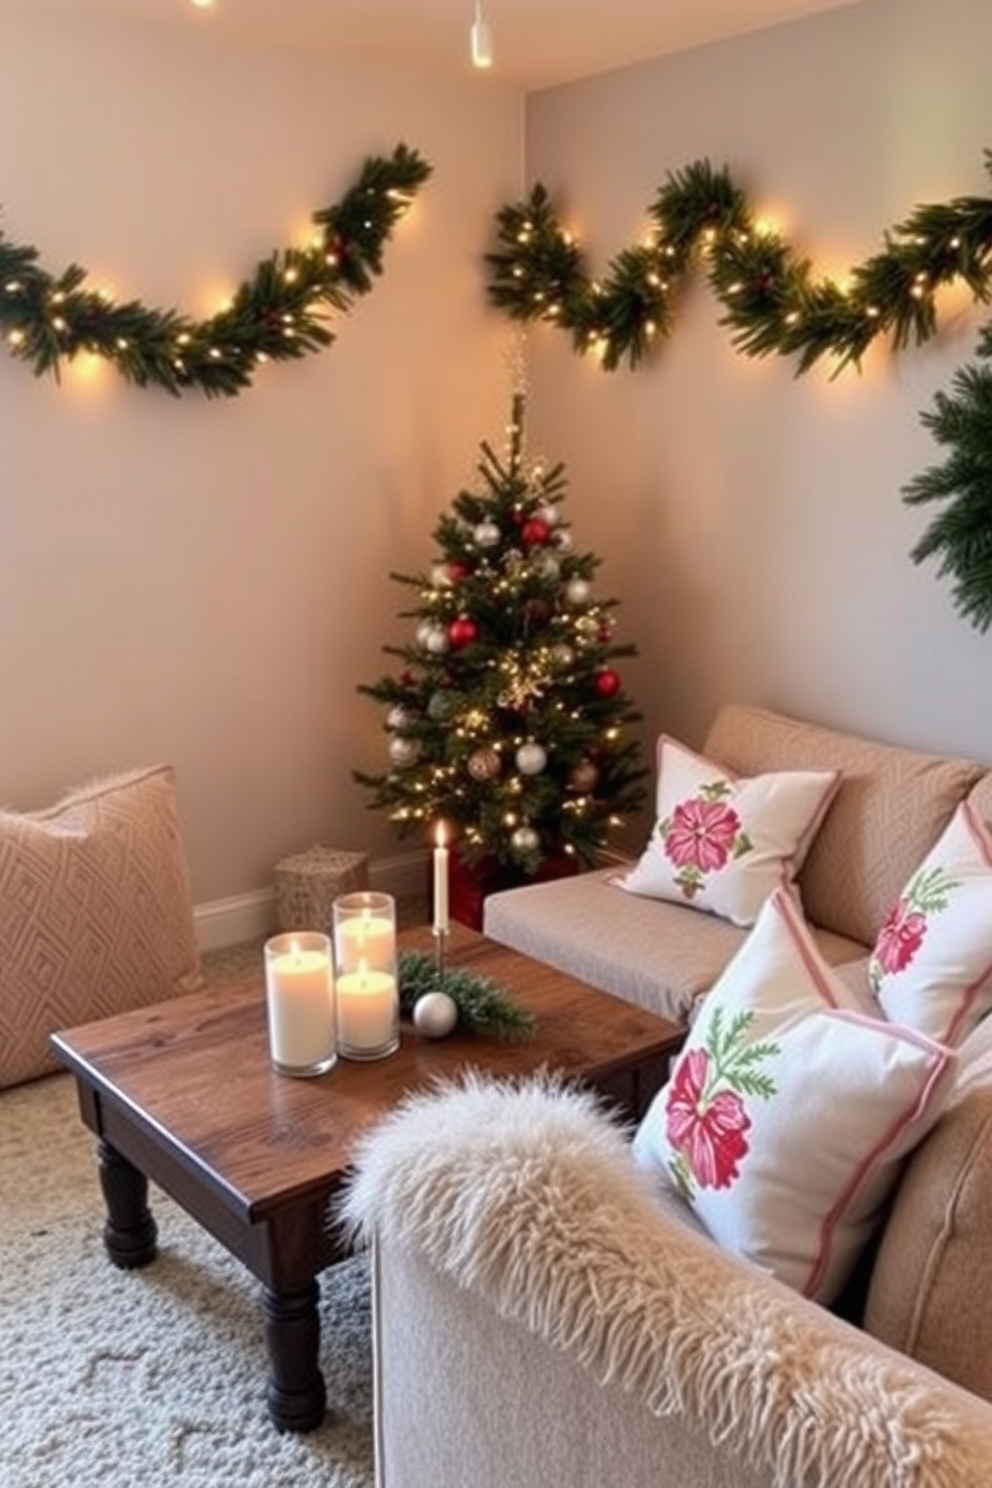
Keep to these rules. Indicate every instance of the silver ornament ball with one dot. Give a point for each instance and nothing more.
(403, 751)
(437, 640)
(531, 758)
(435, 1014)
(524, 840)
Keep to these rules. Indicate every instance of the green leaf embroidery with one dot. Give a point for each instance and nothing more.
(719, 790)
(742, 844)
(929, 889)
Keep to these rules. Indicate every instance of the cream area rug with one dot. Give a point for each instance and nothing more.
(110, 1378)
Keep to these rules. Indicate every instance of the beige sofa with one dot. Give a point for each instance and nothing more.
(891, 806)
(544, 1321)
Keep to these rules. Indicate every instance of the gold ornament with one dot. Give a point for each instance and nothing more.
(483, 765)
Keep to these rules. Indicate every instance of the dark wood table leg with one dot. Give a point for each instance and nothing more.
(295, 1394)
(130, 1233)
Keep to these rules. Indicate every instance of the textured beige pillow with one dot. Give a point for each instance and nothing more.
(95, 913)
(929, 1294)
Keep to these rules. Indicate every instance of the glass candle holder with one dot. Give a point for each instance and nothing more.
(366, 979)
(300, 1003)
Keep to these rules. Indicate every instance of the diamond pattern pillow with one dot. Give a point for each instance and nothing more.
(788, 1114)
(722, 843)
(95, 913)
(931, 966)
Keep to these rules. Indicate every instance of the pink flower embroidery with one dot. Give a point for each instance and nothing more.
(900, 937)
(708, 1132)
(701, 834)
(906, 925)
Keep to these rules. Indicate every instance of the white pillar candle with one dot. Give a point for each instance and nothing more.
(441, 918)
(367, 940)
(299, 985)
(368, 1013)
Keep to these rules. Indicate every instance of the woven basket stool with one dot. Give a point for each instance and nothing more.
(308, 883)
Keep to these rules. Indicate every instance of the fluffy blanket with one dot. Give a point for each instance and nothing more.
(527, 1194)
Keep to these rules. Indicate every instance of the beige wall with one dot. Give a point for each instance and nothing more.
(207, 582)
(752, 523)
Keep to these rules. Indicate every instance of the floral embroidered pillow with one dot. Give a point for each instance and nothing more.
(721, 843)
(789, 1113)
(931, 966)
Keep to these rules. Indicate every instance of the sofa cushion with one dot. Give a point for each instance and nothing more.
(654, 954)
(931, 966)
(929, 1294)
(788, 1113)
(95, 913)
(722, 842)
(891, 806)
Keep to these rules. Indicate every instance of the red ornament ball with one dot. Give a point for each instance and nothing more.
(463, 631)
(457, 570)
(607, 683)
(535, 533)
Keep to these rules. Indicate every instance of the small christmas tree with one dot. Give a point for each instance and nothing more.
(507, 719)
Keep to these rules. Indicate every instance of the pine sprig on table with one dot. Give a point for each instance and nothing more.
(483, 1007)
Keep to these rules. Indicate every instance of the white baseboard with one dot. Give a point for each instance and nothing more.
(224, 922)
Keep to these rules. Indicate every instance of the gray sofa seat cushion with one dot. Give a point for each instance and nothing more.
(660, 956)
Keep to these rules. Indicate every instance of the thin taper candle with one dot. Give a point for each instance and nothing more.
(441, 922)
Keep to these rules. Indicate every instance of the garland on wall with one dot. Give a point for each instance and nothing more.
(278, 314)
(773, 303)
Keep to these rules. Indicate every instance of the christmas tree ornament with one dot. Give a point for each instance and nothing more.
(437, 640)
(605, 632)
(423, 633)
(584, 776)
(398, 717)
(435, 1014)
(403, 751)
(607, 683)
(563, 656)
(531, 758)
(564, 540)
(483, 765)
(534, 533)
(440, 705)
(462, 632)
(577, 591)
(550, 567)
(458, 570)
(548, 514)
(524, 841)
(440, 576)
(486, 535)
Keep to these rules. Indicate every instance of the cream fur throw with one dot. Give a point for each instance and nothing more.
(527, 1194)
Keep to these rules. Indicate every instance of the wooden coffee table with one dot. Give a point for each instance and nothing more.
(184, 1094)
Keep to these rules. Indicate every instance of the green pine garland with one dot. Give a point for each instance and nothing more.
(483, 1007)
(960, 537)
(772, 302)
(279, 314)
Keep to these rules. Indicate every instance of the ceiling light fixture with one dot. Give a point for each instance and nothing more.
(202, 4)
(482, 41)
